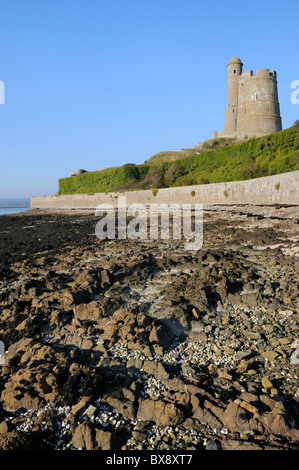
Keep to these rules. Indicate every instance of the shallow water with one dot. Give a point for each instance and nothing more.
(13, 210)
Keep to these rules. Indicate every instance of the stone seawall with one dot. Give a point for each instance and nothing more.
(277, 189)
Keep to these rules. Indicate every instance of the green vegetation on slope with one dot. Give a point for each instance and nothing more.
(103, 181)
(264, 156)
(169, 156)
(173, 155)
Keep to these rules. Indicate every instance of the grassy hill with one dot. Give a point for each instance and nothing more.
(217, 162)
(172, 155)
(169, 156)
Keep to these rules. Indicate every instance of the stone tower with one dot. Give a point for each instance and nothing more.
(252, 102)
(234, 70)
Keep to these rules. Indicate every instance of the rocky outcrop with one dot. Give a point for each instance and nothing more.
(142, 345)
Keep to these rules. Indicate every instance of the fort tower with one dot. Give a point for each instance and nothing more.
(234, 70)
(252, 102)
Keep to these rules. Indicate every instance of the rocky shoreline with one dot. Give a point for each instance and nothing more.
(142, 345)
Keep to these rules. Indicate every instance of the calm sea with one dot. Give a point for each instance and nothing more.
(14, 206)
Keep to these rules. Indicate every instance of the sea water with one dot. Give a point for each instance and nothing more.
(14, 206)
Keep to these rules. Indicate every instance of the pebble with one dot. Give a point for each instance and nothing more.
(90, 411)
(294, 359)
(211, 445)
(267, 383)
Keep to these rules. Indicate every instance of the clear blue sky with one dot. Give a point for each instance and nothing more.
(105, 82)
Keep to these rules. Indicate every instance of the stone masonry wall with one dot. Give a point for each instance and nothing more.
(258, 106)
(276, 189)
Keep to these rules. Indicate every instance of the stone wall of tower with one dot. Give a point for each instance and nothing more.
(234, 70)
(258, 106)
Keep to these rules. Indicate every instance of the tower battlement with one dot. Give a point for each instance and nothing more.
(252, 102)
